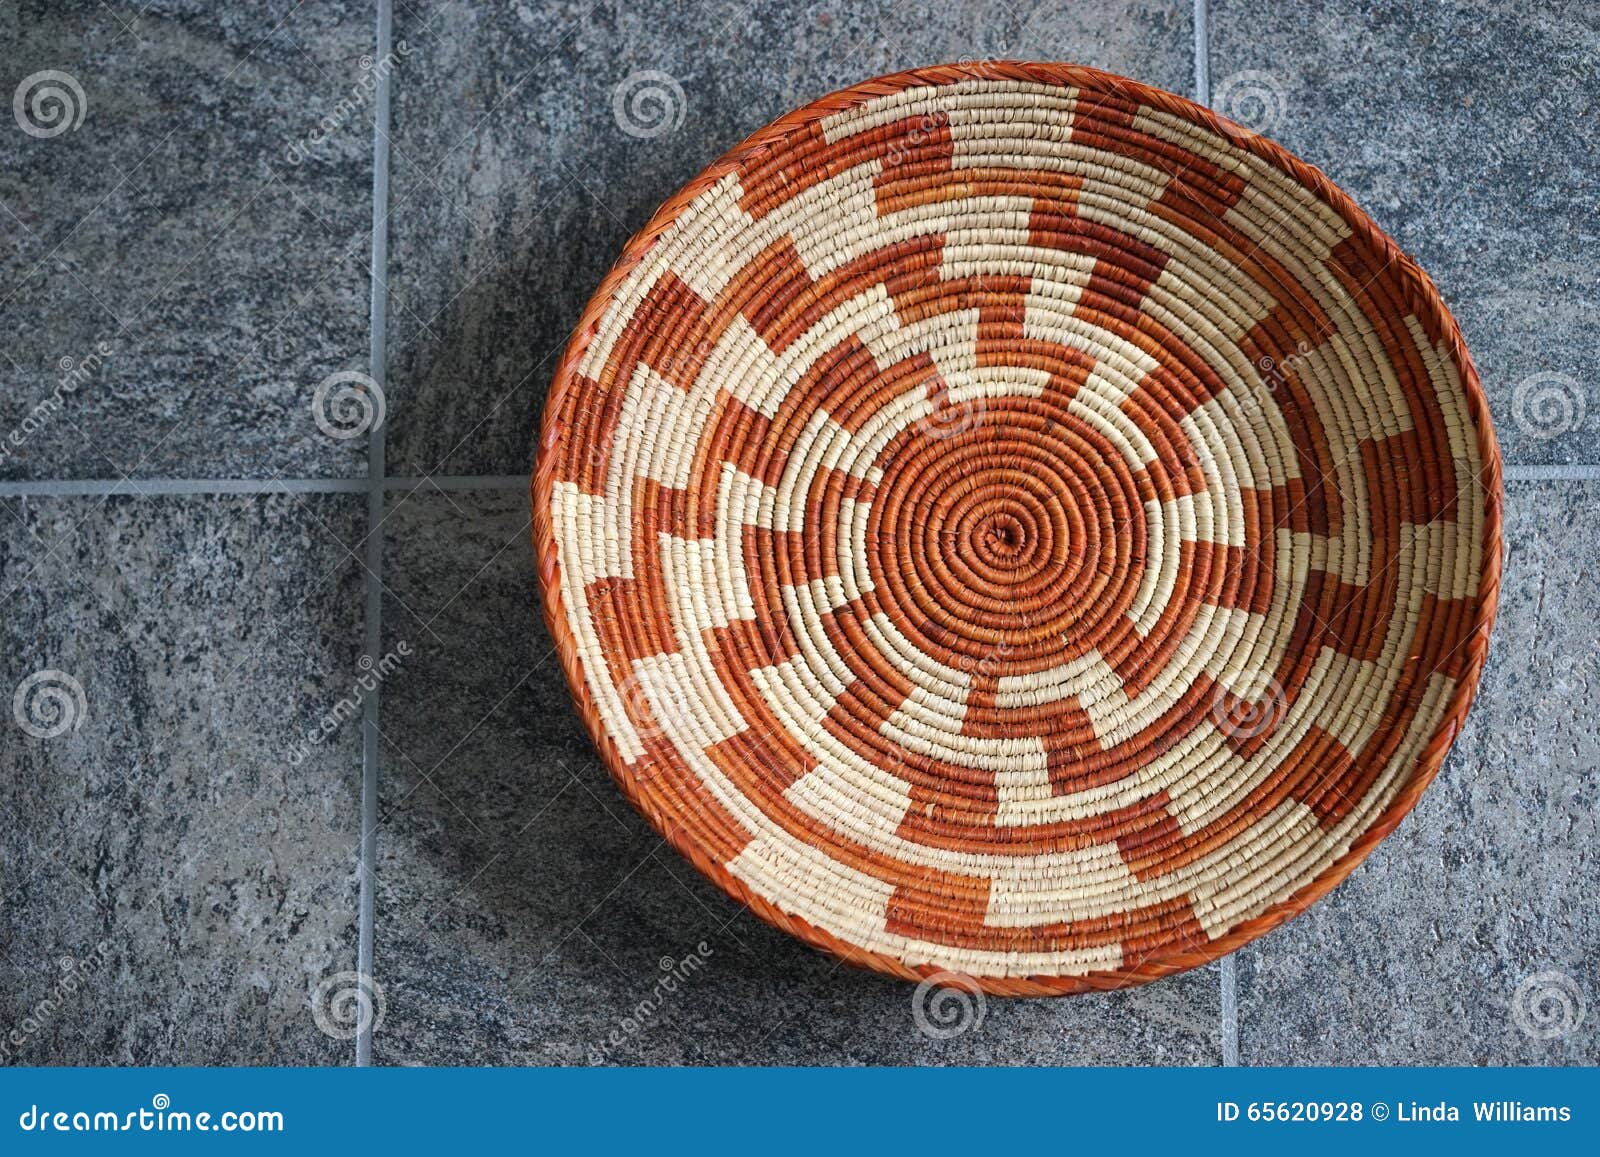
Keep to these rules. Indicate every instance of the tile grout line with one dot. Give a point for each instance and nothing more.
(1228, 978)
(1230, 1010)
(1578, 472)
(378, 278)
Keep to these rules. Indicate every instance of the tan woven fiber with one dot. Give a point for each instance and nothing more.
(1007, 520)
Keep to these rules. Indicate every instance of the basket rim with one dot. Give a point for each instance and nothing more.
(1421, 296)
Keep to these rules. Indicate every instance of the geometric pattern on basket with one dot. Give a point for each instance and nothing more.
(1009, 521)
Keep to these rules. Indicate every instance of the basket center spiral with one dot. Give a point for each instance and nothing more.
(1003, 522)
(1000, 525)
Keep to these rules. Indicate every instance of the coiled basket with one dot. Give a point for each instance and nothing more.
(1009, 524)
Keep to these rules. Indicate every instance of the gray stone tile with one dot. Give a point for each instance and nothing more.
(1419, 957)
(177, 865)
(515, 187)
(183, 268)
(1467, 129)
(525, 911)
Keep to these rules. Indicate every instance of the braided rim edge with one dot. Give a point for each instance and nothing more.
(1421, 296)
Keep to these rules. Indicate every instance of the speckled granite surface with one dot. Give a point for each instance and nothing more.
(178, 871)
(200, 257)
(175, 852)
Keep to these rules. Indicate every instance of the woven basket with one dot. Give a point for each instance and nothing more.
(1008, 521)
